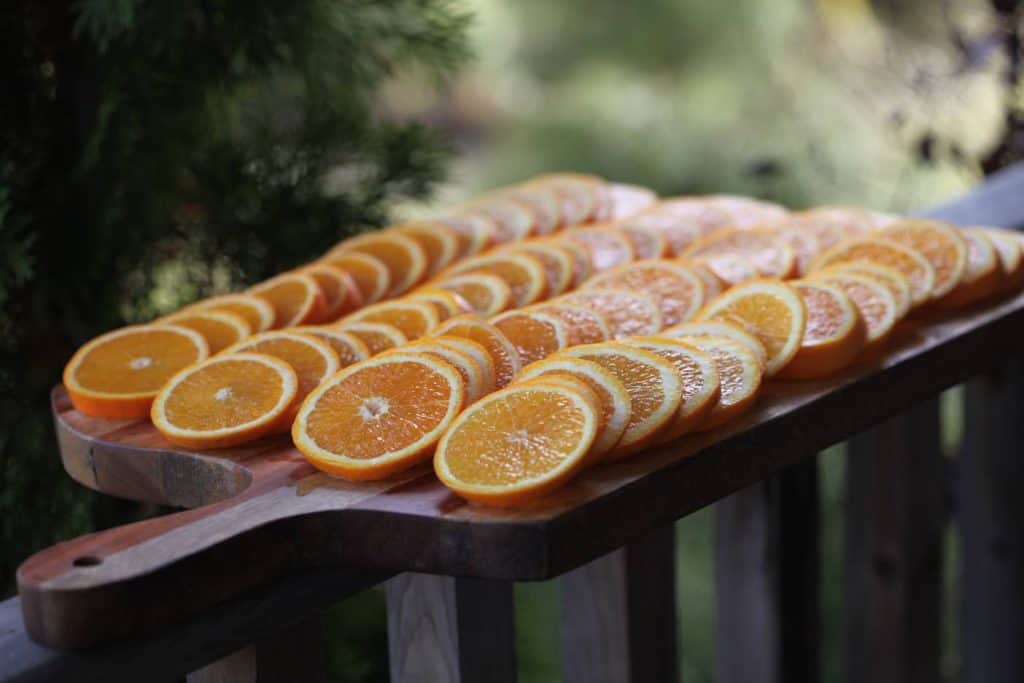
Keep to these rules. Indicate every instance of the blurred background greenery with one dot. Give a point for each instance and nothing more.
(156, 151)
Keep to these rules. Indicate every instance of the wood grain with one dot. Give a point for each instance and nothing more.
(619, 614)
(272, 515)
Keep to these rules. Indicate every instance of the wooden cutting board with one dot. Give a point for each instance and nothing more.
(261, 512)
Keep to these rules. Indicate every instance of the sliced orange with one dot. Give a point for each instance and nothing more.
(370, 274)
(478, 353)
(534, 334)
(475, 230)
(746, 211)
(582, 266)
(895, 281)
(469, 370)
(835, 333)
(627, 200)
(226, 401)
(523, 274)
(296, 298)
(582, 325)
(607, 246)
(805, 245)
(739, 374)
(312, 359)
(730, 269)
(614, 403)
(518, 444)
(683, 219)
(713, 285)
(678, 290)
(627, 313)
(412, 318)
(875, 302)
(1008, 246)
(647, 242)
(380, 416)
(915, 267)
(341, 293)
(580, 195)
(983, 276)
(439, 242)
(770, 310)
(679, 232)
(556, 262)
(349, 347)
(832, 224)
(444, 302)
(504, 355)
(513, 220)
(655, 389)
(941, 244)
(701, 382)
(220, 329)
(486, 295)
(543, 202)
(770, 254)
(377, 336)
(118, 374)
(256, 311)
(404, 258)
(718, 328)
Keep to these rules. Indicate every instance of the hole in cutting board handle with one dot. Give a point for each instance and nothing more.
(87, 561)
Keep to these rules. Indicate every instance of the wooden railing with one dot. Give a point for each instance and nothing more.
(618, 610)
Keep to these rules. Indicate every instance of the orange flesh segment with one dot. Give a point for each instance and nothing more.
(534, 335)
(312, 359)
(135, 363)
(504, 355)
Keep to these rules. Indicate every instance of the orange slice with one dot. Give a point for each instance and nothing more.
(544, 203)
(730, 269)
(503, 354)
(655, 389)
(701, 382)
(522, 273)
(349, 347)
(518, 444)
(746, 211)
(444, 302)
(296, 298)
(535, 335)
(376, 336)
(805, 245)
(226, 401)
(556, 262)
(614, 404)
(607, 246)
(379, 417)
(311, 358)
(915, 267)
(440, 243)
(469, 370)
(475, 232)
(412, 318)
(940, 244)
(718, 328)
(835, 333)
(582, 325)
(118, 374)
(770, 310)
(486, 295)
(875, 302)
(771, 255)
(219, 328)
(647, 242)
(895, 281)
(690, 217)
(256, 311)
(404, 258)
(513, 220)
(582, 266)
(1008, 246)
(832, 224)
(627, 313)
(739, 374)
(478, 353)
(983, 275)
(678, 291)
(371, 275)
(679, 232)
(627, 200)
(713, 285)
(580, 195)
(341, 293)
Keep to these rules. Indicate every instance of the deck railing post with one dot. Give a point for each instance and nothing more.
(619, 615)
(895, 517)
(448, 630)
(990, 513)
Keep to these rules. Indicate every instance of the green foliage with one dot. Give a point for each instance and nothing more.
(154, 151)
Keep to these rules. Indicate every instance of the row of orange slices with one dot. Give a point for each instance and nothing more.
(557, 348)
